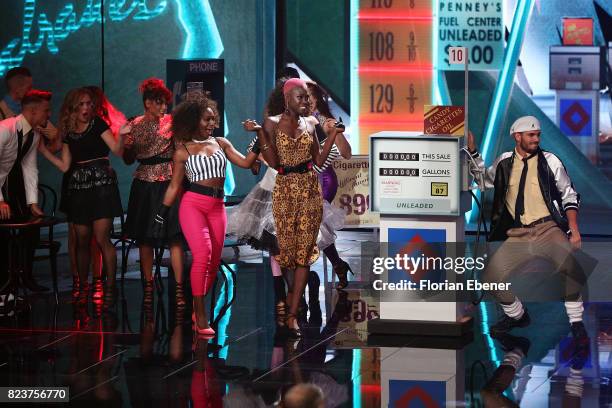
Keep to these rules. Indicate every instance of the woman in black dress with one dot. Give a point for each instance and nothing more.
(92, 199)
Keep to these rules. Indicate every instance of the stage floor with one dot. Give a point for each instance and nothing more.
(123, 358)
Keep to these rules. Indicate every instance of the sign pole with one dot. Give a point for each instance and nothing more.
(456, 56)
(466, 127)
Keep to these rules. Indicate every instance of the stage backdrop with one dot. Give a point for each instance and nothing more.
(64, 45)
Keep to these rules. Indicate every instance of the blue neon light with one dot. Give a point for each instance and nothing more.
(356, 378)
(484, 325)
(230, 184)
(67, 22)
(436, 97)
(354, 74)
(202, 35)
(504, 84)
(226, 288)
(198, 22)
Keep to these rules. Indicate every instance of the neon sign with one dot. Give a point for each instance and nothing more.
(66, 23)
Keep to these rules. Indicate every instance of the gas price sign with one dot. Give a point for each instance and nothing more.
(395, 65)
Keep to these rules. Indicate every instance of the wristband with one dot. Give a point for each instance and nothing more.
(256, 148)
(162, 213)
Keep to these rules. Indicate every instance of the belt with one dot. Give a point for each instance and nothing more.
(300, 168)
(149, 161)
(538, 221)
(103, 161)
(207, 191)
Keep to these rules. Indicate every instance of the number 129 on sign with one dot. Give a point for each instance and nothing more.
(457, 55)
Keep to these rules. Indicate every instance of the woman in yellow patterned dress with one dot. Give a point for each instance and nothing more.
(288, 144)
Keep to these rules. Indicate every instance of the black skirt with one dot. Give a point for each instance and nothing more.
(145, 200)
(91, 193)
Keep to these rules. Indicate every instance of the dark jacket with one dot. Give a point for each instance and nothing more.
(557, 189)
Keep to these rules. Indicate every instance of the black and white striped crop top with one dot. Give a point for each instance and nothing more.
(201, 167)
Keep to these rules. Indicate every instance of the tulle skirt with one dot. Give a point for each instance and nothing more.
(333, 220)
(252, 221)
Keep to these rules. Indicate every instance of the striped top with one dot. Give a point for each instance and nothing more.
(251, 145)
(201, 167)
(334, 153)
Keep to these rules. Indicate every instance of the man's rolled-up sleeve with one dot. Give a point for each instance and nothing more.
(30, 172)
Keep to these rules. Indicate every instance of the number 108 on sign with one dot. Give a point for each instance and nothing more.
(457, 55)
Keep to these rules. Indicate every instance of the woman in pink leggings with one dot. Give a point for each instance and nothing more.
(203, 159)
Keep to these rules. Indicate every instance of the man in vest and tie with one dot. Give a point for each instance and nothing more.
(19, 174)
(535, 213)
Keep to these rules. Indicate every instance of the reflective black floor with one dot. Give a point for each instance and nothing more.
(132, 357)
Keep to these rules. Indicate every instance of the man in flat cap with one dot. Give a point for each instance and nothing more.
(535, 213)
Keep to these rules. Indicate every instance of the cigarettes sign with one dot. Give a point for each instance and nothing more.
(444, 120)
(475, 24)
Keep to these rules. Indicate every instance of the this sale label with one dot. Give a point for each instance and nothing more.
(475, 24)
(353, 194)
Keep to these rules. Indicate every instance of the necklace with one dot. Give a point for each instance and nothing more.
(201, 141)
(88, 128)
(78, 135)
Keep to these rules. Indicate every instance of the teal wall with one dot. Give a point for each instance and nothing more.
(317, 38)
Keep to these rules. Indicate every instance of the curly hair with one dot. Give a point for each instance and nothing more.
(153, 89)
(69, 109)
(321, 97)
(187, 115)
(276, 100)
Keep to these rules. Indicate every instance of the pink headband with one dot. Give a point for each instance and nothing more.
(293, 83)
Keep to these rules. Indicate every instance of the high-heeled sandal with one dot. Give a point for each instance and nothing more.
(109, 296)
(281, 314)
(341, 270)
(83, 293)
(148, 294)
(179, 292)
(197, 329)
(75, 288)
(293, 326)
(302, 308)
(209, 331)
(98, 289)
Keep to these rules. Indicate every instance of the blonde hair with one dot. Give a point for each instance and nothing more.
(68, 112)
